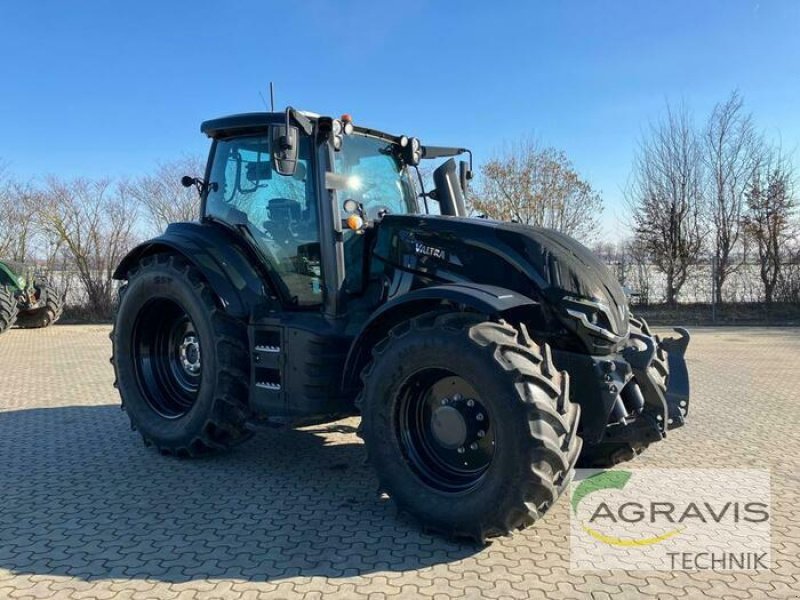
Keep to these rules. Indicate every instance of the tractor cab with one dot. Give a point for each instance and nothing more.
(308, 201)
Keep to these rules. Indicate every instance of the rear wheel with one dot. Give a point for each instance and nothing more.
(468, 424)
(180, 362)
(52, 305)
(8, 308)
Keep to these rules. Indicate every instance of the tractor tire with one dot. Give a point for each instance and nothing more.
(608, 454)
(45, 315)
(8, 308)
(468, 424)
(180, 362)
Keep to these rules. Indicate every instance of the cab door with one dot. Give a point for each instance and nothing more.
(279, 212)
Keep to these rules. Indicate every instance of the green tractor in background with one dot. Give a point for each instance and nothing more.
(26, 299)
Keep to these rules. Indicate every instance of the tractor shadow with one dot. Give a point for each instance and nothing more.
(80, 496)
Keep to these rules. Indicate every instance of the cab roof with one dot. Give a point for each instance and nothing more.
(227, 126)
(233, 124)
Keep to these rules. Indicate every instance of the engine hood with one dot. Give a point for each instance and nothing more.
(540, 263)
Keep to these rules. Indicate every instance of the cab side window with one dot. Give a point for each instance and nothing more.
(279, 211)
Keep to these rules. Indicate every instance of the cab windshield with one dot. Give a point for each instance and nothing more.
(374, 176)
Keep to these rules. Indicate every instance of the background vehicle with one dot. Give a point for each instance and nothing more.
(25, 299)
(479, 354)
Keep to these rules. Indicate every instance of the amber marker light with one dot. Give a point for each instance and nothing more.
(355, 222)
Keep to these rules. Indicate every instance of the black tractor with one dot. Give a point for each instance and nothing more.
(486, 359)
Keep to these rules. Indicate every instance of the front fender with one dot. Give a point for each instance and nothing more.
(217, 255)
(485, 299)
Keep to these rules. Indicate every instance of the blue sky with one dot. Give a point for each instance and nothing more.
(109, 88)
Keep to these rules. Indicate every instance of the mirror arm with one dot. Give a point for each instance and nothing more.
(300, 118)
(422, 193)
(201, 186)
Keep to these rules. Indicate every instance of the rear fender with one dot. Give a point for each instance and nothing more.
(484, 299)
(217, 255)
(9, 278)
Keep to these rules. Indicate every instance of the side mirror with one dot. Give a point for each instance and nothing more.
(464, 175)
(448, 190)
(187, 181)
(285, 146)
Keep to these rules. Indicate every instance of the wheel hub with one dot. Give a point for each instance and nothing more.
(189, 352)
(166, 349)
(445, 430)
(449, 427)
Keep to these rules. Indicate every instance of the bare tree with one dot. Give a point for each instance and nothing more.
(730, 152)
(163, 197)
(95, 222)
(788, 287)
(639, 256)
(771, 208)
(5, 211)
(17, 229)
(665, 196)
(538, 186)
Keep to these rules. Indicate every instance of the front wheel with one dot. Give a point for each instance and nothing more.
(468, 424)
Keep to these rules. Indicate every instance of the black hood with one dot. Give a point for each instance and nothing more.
(508, 255)
(570, 269)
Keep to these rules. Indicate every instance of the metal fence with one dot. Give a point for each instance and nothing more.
(742, 286)
(646, 281)
(70, 282)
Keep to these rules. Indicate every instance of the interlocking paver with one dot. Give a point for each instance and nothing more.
(87, 512)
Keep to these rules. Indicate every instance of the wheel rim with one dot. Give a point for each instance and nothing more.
(166, 352)
(445, 430)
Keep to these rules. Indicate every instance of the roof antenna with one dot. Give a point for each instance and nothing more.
(272, 96)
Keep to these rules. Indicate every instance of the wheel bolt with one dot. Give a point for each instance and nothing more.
(481, 433)
(479, 416)
(470, 402)
(473, 446)
(444, 401)
(461, 450)
(457, 397)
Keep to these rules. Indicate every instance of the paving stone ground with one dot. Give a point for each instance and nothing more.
(86, 511)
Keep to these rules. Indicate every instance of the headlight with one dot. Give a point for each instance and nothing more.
(594, 316)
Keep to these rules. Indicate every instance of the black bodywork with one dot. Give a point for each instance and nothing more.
(306, 362)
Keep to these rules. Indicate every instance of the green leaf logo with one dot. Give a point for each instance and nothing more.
(603, 480)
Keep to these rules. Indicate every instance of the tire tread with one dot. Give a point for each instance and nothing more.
(226, 426)
(553, 443)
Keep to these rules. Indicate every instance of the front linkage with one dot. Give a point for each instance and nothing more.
(630, 399)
